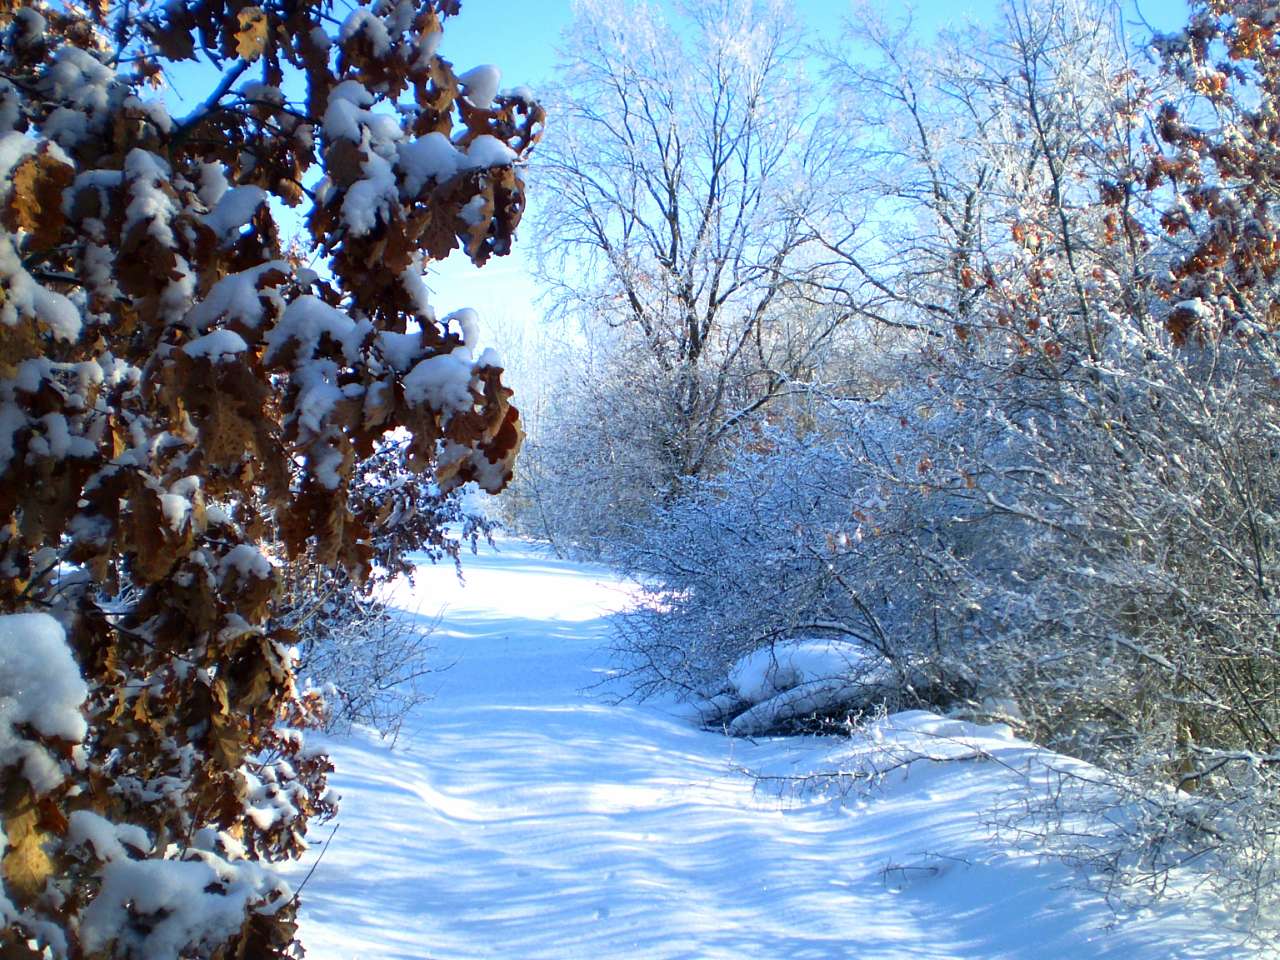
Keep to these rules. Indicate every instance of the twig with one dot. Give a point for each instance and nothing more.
(210, 104)
(297, 893)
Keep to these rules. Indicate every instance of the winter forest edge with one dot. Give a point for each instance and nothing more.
(900, 373)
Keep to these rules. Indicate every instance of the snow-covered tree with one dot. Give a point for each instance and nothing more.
(1067, 510)
(183, 406)
(679, 181)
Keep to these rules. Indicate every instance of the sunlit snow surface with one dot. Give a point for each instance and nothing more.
(524, 816)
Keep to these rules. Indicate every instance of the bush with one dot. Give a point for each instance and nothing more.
(368, 657)
(1091, 555)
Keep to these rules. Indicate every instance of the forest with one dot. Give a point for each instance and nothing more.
(900, 373)
(956, 355)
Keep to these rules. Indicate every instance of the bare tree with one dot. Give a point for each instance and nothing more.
(683, 177)
(987, 151)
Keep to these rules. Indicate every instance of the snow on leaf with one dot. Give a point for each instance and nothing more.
(40, 689)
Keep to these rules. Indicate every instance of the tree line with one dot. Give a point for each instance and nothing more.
(963, 349)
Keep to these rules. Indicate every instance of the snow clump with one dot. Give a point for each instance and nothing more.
(40, 689)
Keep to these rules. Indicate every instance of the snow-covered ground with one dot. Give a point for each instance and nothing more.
(522, 815)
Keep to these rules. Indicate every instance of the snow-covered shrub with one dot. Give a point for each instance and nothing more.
(1142, 635)
(1145, 633)
(367, 659)
(860, 531)
(1089, 554)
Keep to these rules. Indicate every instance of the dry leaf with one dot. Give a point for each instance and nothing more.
(251, 38)
(36, 203)
(26, 865)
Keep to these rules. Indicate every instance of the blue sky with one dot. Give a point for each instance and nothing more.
(520, 36)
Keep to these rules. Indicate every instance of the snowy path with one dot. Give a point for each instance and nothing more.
(521, 817)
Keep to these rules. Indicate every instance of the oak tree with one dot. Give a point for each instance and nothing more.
(184, 399)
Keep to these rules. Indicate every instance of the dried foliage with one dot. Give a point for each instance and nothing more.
(1223, 167)
(180, 397)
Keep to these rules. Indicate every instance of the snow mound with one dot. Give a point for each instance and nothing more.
(480, 84)
(774, 686)
(944, 734)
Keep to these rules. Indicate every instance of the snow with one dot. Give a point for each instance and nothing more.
(107, 840)
(791, 680)
(773, 670)
(468, 323)
(487, 151)
(398, 15)
(412, 278)
(480, 84)
(101, 180)
(345, 109)
(213, 183)
(246, 560)
(30, 26)
(66, 127)
(57, 441)
(367, 198)
(362, 21)
(148, 203)
(305, 321)
(176, 509)
(14, 147)
(524, 813)
(186, 904)
(216, 345)
(428, 158)
(428, 44)
(154, 110)
(40, 688)
(236, 296)
(442, 382)
(522, 92)
(23, 296)
(473, 213)
(57, 312)
(399, 349)
(394, 165)
(318, 393)
(235, 208)
(78, 78)
(266, 802)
